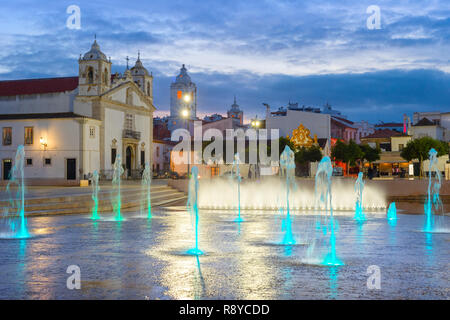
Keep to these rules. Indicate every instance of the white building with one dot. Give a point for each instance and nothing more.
(432, 124)
(72, 126)
(363, 129)
(286, 120)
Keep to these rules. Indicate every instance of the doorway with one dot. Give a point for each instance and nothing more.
(128, 158)
(71, 169)
(7, 165)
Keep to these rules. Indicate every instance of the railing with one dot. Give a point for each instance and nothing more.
(131, 134)
(133, 174)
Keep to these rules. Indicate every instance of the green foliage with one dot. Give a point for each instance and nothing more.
(370, 154)
(304, 155)
(285, 142)
(419, 148)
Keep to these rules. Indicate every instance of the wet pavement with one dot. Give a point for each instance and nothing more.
(146, 259)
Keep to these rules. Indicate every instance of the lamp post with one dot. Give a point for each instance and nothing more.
(185, 113)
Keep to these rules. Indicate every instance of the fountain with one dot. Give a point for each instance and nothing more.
(192, 206)
(18, 201)
(323, 199)
(146, 183)
(359, 187)
(392, 212)
(287, 164)
(117, 201)
(433, 203)
(236, 163)
(95, 188)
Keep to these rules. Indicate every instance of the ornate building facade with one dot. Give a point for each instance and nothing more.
(72, 126)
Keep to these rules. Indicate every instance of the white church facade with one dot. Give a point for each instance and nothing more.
(74, 125)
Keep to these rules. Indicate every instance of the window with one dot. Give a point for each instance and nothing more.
(92, 132)
(214, 171)
(148, 88)
(90, 75)
(179, 94)
(28, 135)
(113, 155)
(29, 162)
(47, 161)
(400, 147)
(129, 121)
(7, 136)
(142, 157)
(157, 152)
(105, 77)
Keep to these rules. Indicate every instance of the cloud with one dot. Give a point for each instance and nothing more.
(264, 51)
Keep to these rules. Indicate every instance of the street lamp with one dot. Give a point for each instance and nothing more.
(255, 123)
(43, 142)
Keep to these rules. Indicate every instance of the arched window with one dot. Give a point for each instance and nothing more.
(105, 77)
(90, 75)
(148, 88)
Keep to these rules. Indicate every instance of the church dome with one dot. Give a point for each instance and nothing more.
(95, 53)
(139, 69)
(183, 77)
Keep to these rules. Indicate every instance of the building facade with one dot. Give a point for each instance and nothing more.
(72, 126)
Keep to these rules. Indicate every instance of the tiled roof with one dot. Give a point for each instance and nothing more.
(424, 122)
(384, 133)
(37, 86)
(389, 124)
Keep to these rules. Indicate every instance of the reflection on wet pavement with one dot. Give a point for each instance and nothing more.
(140, 258)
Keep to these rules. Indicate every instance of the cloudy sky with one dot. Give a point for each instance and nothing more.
(270, 51)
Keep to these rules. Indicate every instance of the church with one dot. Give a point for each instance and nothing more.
(72, 126)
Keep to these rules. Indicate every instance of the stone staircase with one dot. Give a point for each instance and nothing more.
(83, 203)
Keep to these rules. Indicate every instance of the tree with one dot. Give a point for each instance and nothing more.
(419, 148)
(370, 154)
(348, 153)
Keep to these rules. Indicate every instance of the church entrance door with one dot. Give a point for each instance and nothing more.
(129, 153)
(7, 165)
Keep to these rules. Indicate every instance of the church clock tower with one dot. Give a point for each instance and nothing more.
(94, 72)
(142, 78)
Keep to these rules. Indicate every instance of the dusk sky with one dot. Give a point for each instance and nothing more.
(308, 52)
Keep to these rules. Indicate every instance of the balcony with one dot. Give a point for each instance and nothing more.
(130, 134)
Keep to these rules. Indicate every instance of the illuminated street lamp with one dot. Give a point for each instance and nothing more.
(187, 98)
(43, 142)
(255, 123)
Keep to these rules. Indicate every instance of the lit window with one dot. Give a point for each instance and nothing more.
(28, 135)
(7, 136)
(179, 94)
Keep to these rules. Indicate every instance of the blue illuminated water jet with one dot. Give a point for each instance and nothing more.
(192, 207)
(236, 163)
(287, 166)
(18, 223)
(359, 188)
(146, 183)
(392, 212)
(117, 200)
(95, 188)
(323, 199)
(433, 203)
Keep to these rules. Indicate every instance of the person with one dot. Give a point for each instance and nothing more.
(370, 173)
